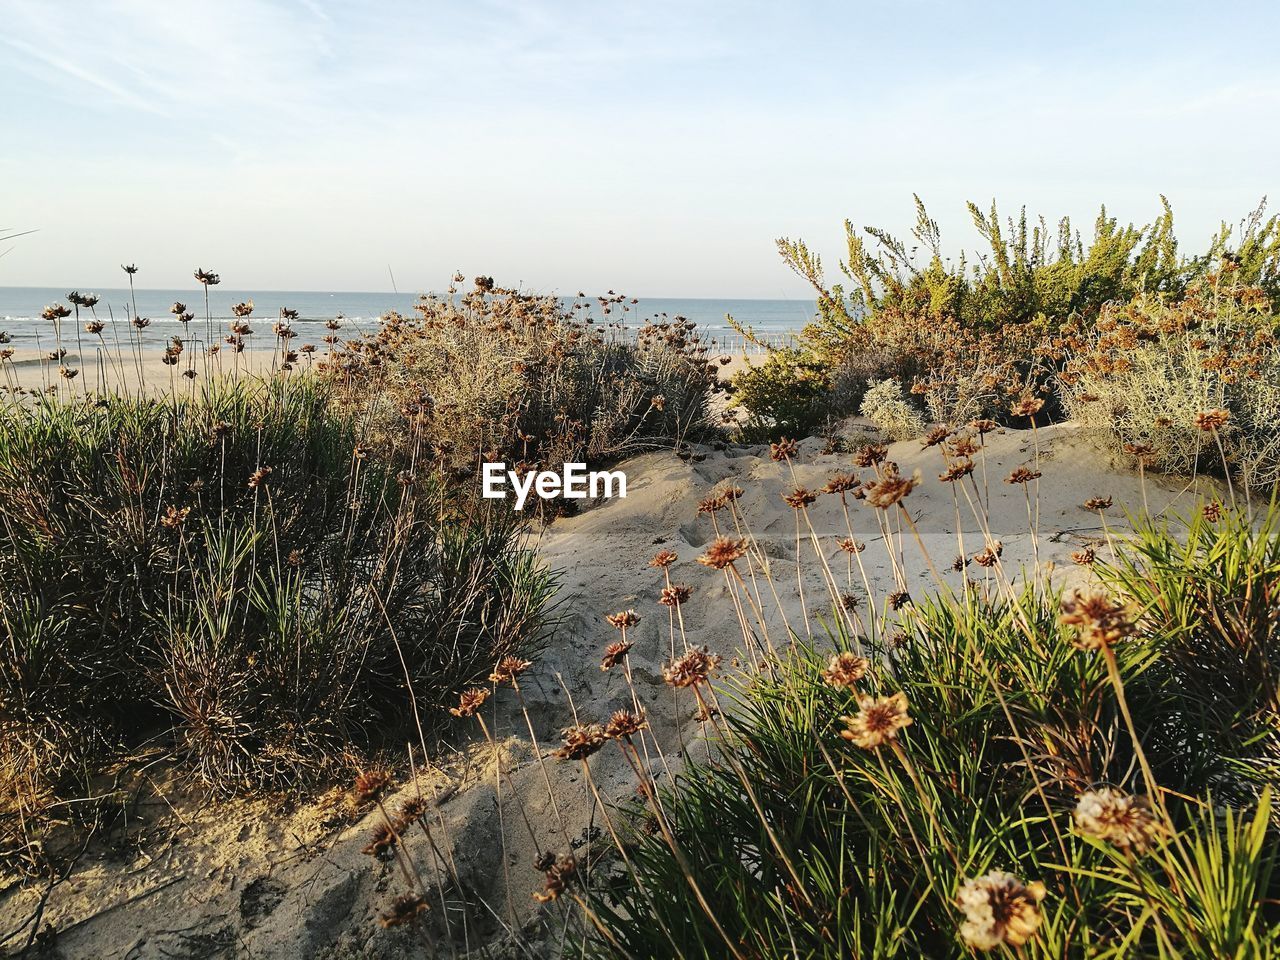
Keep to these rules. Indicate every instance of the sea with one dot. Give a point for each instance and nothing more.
(776, 321)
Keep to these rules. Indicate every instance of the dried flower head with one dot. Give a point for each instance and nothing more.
(723, 551)
(982, 426)
(957, 470)
(691, 669)
(581, 741)
(990, 555)
(1098, 503)
(870, 454)
(675, 595)
(1084, 557)
(623, 619)
(470, 702)
(174, 517)
(784, 449)
(614, 653)
(1212, 420)
(877, 721)
(799, 498)
(558, 876)
(850, 545)
(1022, 475)
(1099, 619)
(259, 477)
(845, 669)
(404, 909)
(890, 488)
(509, 669)
(841, 483)
(935, 436)
(899, 599)
(1118, 818)
(1027, 407)
(381, 841)
(1213, 511)
(663, 558)
(625, 724)
(207, 277)
(370, 783)
(999, 909)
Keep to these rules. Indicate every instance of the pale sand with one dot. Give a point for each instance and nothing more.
(269, 882)
(103, 371)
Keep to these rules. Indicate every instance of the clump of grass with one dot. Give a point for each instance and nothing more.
(994, 767)
(240, 572)
(500, 375)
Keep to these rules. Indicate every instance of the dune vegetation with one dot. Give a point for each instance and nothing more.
(285, 582)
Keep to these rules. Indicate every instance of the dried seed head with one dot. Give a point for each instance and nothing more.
(174, 518)
(870, 455)
(404, 909)
(899, 599)
(413, 810)
(470, 701)
(1098, 503)
(1084, 557)
(850, 545)
(845, 669)
(624, 619)
(799, 498)
(370, 784)
(259, 477)
(624, 724)
(1213, 511)
(1212, 420)
(675, 595)
(957, 470)
(558, 876)
(982, 426)
(509, 669)
(663, 558)
(691, 669)
(841, 483)
(723, 551)
(935, 436)
(784, 449)
(614, 653)
(890, 488)
(1022, 475)
(381, 841)
(999, 909)
(1099, 619)
(1119, 819)
(877, 721)
(989, 556)
(1027, 407)
(581, 741)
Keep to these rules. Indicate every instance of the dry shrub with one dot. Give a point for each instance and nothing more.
(508, 376)
(958, 373)
(1140, 378)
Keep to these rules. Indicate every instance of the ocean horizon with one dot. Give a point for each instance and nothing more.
(21, 308)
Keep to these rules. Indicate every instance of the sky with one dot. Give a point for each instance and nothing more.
(656, 148)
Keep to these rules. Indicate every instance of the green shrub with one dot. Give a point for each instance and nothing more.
(972, 339)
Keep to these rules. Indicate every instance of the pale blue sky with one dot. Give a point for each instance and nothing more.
(654, 147)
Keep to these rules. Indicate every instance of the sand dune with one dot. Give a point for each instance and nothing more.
(261, 879)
